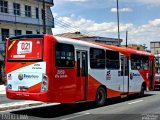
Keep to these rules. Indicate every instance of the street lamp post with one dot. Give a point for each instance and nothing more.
(118, 22)
(157, 62)
(126, 38)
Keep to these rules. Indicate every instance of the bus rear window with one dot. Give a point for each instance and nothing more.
(26, 49)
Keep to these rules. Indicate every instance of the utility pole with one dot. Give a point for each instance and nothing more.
(126, 38)
(44, 18)
(118, 23)
(157, 62)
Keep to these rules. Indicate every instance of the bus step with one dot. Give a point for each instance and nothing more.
(123, 95)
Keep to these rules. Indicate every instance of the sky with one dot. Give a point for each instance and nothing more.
(141, 18)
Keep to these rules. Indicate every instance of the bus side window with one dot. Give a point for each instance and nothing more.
(97, 58)
(64, 55)
(139, 62)
(112, 59)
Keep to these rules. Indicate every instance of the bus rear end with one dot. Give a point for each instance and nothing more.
(25, 68)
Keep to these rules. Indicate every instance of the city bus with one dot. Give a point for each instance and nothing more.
(55, 69)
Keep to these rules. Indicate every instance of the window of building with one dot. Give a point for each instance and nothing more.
(157, 44)
(16, 8)
(28, 32)
(37, 13)
(18, 32)
(27, 11)
(152, 45)
(157, 50)
(3, 6)
(5, 34)
(97, 58)
(38, 32)
(112, 59)
(64, 55)
(139, 62)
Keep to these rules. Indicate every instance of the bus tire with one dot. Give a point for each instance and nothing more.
(100, 96)
(142, 90)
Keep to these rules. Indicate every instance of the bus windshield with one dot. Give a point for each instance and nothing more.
(25, 49)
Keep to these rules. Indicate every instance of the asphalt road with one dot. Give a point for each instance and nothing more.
(132, 108)
(4, 99)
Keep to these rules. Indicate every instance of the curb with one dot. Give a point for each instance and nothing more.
(18, 105)
(2, 92)
(2, 89)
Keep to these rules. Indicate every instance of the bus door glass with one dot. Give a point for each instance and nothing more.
(124, 72)
(151, 74)
(82, 73)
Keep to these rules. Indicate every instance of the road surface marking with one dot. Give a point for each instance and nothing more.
(135, 102)
(75, 116)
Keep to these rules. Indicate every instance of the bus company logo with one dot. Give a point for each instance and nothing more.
(20, 76)
(9, 87)
(30, 76)
(108, 75)
(9, 77)
(134, 75)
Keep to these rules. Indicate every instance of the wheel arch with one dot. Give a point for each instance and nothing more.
(101, 95)
(105, 88)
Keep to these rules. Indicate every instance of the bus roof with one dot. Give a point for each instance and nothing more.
(123, 50)
(128, 51)
(26, 36)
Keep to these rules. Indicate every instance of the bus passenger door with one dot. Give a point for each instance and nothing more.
(124, 73)
(82, 75)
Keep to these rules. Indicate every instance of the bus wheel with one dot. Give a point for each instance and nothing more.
(142, 91)
(100, 96)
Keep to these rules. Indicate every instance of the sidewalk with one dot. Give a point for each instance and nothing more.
(2, 89)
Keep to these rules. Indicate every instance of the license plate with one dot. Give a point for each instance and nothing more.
(23, 88)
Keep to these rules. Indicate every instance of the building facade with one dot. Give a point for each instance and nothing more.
(136, 47)
(155, 49)
(19, 17)
(103, 40)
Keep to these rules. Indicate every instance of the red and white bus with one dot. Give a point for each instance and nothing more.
(55, 69)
